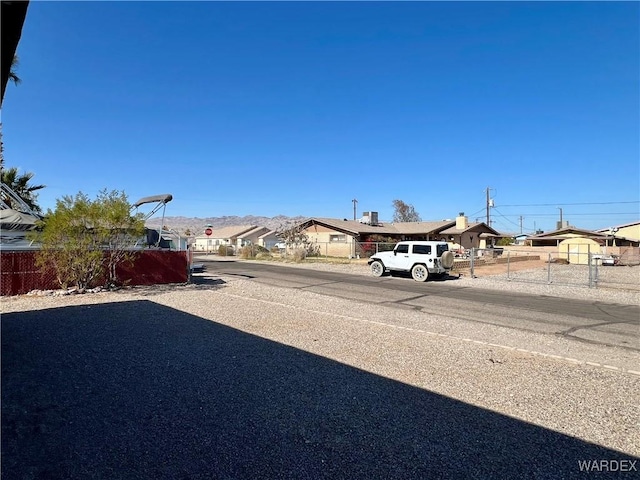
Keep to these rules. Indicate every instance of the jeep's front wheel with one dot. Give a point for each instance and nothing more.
(377, 268)
(419, 273)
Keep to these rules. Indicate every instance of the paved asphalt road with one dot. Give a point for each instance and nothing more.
(591, 322)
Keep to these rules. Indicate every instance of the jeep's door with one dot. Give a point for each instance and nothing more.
(400, 259)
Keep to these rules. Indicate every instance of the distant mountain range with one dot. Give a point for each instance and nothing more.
(196, 226)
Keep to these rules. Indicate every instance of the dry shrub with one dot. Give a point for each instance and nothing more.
(299, 254)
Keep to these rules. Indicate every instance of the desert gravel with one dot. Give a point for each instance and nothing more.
(364, 392)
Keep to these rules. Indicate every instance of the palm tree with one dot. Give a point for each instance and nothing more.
(13, 76)
(21, 185)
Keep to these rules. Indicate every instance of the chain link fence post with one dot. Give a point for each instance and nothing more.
(508, 265)
(471, 262)
(590, 260)
(549, 269)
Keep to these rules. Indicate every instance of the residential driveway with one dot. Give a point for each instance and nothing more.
(139, 389)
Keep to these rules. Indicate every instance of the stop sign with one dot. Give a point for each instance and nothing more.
(208, 231)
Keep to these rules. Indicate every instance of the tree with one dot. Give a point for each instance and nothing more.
(295, 238)
(13, 76)
(404, 212)
(19, 183)
(85, 240)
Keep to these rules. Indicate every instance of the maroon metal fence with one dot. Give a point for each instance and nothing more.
(19, 273)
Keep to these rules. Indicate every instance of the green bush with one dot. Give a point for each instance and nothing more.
(84, 240)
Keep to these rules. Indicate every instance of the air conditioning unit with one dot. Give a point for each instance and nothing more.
(370, 218)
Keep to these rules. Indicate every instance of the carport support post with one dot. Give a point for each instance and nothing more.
(549, 269)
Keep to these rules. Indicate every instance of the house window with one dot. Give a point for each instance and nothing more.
(338, 238)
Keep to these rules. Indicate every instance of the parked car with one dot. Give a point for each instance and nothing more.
(422, 259)
(606, 260)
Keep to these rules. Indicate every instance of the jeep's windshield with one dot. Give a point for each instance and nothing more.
(441, 248)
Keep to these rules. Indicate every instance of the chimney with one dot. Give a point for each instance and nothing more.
(462, 222)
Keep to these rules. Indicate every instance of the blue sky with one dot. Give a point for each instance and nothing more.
(296, 108)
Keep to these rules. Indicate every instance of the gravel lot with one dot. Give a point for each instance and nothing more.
(232, 379)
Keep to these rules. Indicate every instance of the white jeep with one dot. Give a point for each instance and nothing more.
(422, 259)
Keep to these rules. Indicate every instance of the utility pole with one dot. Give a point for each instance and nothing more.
(520, 224)
(355, 202)
(488, 215)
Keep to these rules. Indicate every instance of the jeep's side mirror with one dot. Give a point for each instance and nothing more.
(395, 252)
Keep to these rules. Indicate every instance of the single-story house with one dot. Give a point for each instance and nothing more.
(237, 236)
(352, 238)
(469, 235)
(520, 238)
(602, 237)
(269, 239)
(575, 244)
(629, 232)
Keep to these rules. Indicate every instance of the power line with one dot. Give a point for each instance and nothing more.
(510, 221)
(475, 213)
(519, 225)
(565, 214)
(564, 204)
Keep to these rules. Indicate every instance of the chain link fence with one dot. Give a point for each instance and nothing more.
(579, 267)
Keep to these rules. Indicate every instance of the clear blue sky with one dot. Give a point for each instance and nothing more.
(296, 108)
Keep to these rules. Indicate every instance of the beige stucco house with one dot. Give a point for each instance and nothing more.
(621, 234)
(352, 238)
